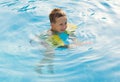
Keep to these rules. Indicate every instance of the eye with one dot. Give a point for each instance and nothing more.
(65, 23)
(61, 24)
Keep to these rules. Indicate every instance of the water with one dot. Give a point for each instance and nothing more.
(97, 21)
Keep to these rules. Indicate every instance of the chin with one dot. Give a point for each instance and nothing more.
(62, 30)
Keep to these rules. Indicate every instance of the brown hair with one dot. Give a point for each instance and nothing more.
(56, 13)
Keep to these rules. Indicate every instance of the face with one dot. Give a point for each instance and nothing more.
(60, 25)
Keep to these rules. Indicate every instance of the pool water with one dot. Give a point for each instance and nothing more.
(98, 21)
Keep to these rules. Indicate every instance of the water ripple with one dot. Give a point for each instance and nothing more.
(97, 21)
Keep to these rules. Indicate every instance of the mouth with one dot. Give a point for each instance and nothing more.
(62, 29)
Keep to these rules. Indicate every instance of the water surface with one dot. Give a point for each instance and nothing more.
(97, 21)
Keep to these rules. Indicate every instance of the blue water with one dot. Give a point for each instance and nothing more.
(98, 21)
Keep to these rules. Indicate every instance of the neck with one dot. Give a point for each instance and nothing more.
(53, 31)
(56, 32)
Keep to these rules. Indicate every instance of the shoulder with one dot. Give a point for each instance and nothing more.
(44, 34)
(71, 28)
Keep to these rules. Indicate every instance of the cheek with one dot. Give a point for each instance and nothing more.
(59, 27)
(54, 26)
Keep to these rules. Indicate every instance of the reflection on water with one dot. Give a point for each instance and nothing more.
(97, 21)
(46, 62)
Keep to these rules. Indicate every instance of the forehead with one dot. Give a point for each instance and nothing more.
(61, 19)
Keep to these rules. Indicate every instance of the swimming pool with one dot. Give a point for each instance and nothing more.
(97, 21)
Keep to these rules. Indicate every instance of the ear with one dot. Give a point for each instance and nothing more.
(52, 25)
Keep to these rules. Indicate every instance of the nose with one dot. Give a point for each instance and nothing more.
(64, 26)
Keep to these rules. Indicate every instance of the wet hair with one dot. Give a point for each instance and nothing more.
(56, 13)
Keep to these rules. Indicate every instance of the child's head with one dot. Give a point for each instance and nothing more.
(58, 20)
